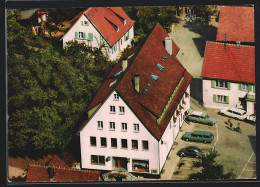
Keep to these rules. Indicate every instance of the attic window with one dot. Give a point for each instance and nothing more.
(145, 91)
(118, 73)
(154, 77)
(159, 66)
(112, 83)
(148, 84)
(117, 29)
(124, 21)
(164, 58)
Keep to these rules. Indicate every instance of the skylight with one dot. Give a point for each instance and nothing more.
(159, 66)
(154, 77)
(112, 83)
(118, 73)
(148, 84)
(145, 91)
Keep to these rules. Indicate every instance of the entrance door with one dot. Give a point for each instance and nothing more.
(119, 163)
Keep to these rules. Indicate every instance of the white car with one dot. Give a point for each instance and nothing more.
(234, 113)
(251, 118)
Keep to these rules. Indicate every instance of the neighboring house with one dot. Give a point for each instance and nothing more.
(56, 170)
(228, 74)
(34, 18)
(139, 109)
(102, 26)
(236, 23)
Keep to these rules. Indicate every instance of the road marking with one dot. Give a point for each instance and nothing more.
(245, 165)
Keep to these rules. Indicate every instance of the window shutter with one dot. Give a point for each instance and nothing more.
(84, 35)
(90, 36)
(249, 88)
(228, 85)
(76, 35)
(82, 22)
(213, 84)
(254, 88)
(227, 99)
(239, 86)
(214, 98)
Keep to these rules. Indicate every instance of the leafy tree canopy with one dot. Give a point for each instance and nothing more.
(205, 12)
(211, 170)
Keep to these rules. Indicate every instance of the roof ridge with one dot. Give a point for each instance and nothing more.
(243, 45)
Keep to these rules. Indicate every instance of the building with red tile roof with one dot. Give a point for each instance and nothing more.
(236, 23)
(97, 26)
(61, 172)
(228, 74)
(138, 111)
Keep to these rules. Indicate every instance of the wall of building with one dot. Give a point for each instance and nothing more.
(173, 128)
(234, 94)
(103, 114)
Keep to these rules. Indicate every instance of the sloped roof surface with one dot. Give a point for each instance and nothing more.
(106, 20)
(229, 63)
(39, 173)
(237, 22)
(143, 62)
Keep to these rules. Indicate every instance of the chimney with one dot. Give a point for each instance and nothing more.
(238, 44)
(124, 64)
(51, 172)
(168, 45)
(137, 83)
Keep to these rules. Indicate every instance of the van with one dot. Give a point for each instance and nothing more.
(234, 113)
(198, 136)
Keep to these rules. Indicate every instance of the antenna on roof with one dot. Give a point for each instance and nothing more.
(225, 39)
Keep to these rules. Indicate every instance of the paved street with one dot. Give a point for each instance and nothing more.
(237, 151)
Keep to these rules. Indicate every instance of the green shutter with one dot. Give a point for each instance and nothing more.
(227, 99)
(239, 86)
(213, 84)
(76, 35)
(228, 85)
(250, 88)
(82, 23)
(84, 35)
(254, 88)
(90, 36)
(214, 98)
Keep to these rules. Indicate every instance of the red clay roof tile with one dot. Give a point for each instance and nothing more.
(229, 63)
(106, 20)
(237, 22)
(146, 55)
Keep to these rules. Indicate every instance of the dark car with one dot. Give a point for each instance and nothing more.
(190, 151)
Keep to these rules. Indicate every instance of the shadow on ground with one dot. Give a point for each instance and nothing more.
(252, 140)
(200, 44)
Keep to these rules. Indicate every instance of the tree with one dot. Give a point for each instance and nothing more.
(204, 12)
(211, 170)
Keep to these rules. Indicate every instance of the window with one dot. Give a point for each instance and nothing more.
(100, 124)
(80, 35)
(126, 36)
(112, 109)
(134, 144)
(112, 126)
(145, 145)
(112, 83)
(124, 21)
(121, 110)
(243, 87)
(159, 66)
(116, 97)
(124, 126)
(103, 142)
(93, 141)
(124, 143)
(136, 127)
(90, 36)
(140, 165)
(154, 77)
(114, 142)
(84, 23)
(220, 84)
(114, 48)
(97, 160)
(221, 99)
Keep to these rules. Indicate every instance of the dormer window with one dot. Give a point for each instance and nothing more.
(117, 29)
(159, 66)
(124, 21)
(112, 83)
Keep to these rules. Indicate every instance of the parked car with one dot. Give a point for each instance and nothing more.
(251, 119)
(190, 151)
(201, 117)
(198, 136)
(233, 112)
